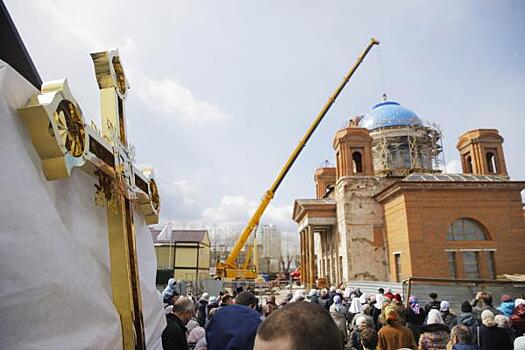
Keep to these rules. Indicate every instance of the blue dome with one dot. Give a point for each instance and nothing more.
(389, 113)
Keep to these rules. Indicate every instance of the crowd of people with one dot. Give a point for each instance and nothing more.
(341, 319)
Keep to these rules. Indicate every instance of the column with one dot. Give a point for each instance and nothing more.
(311, 255)
(301, 236)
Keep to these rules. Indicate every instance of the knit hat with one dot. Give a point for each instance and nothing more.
(466, 307)
(444, 306)
(391, 313)
(397, 297)
(332, 289)
(337, 299)
(518, 302)
(205, 296)
(505, 298)
(312, 293)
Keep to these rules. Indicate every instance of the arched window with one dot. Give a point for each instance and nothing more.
(468, 163)
(357, 162)
(466, 230)
(491, 163)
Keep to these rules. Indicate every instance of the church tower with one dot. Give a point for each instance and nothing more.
(353, 149)
(324, 179)
(481, 152)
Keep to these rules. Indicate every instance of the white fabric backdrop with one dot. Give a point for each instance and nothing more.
(55, 286)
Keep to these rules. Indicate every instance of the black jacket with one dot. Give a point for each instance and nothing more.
(174, 335)
(202, 307)
(494, 338)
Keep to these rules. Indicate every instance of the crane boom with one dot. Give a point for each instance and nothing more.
(229, 263)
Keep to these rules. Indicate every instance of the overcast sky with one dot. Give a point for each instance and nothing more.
(222, 91)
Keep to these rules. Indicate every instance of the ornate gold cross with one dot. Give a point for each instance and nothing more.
(64, 141)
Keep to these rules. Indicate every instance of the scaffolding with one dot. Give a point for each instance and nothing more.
(406, 149)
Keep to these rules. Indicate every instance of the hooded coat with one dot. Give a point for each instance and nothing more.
(517, 319)
(506, 307)
(233, 328)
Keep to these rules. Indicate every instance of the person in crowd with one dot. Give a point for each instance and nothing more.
(378, 306)
(212, 304)
(468, 318)
(366, 310)
(174, 335)
(434, 303)
(299, 325)
(246, 298)
(461, 339)
(507, 305)
(234, 327)
(415, 316)
(194, 336)
(324, 299)
(400, 308)
(490, 336)
(517, 319)
(202, 308)
(298, 296)
(393, 335)
(449, 318)
(338, 314)
(519, 343)
(270, 306)
(354, 309)
(388, 294)
(312, 296)
(482, 302)
(435, 334)
(355, 337)
(226, 300)
(169, 292)
(369, 339)
(331, 294)
(503, 322)
(190, 325)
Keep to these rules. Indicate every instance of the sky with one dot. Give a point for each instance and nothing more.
(222, 91)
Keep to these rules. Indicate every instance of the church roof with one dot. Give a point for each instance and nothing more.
(454, 177)
(180, 236)
(389, 113)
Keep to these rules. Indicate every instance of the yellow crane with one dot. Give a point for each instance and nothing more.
(229, 269)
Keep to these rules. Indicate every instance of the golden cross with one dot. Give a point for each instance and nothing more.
(64, 141)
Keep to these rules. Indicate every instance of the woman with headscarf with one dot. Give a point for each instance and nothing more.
(393, 335)
(338, 314)
(415, 316)
(355, 308)
(435, 334)
(490, 335)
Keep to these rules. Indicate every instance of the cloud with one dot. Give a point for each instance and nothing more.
(170, 96)
(236, 210)
(453, 167)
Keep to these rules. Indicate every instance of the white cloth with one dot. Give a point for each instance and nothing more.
(56, 285)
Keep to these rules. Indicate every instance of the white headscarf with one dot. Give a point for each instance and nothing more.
(379, 301)
(434, 317)
(355, 307)
(518, 302)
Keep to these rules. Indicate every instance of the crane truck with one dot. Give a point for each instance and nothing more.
(229, 268)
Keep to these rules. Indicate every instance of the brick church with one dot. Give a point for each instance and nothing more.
(386, 212)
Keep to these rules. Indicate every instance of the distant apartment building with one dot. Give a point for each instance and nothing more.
(269, 242)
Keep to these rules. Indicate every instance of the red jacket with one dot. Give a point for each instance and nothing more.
(517, 319)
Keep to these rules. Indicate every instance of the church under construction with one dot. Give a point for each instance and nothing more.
(387, 212)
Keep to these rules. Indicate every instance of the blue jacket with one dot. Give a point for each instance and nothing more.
(233, 328)
(506, 307)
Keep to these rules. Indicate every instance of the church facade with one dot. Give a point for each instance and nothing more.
(386, 212)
